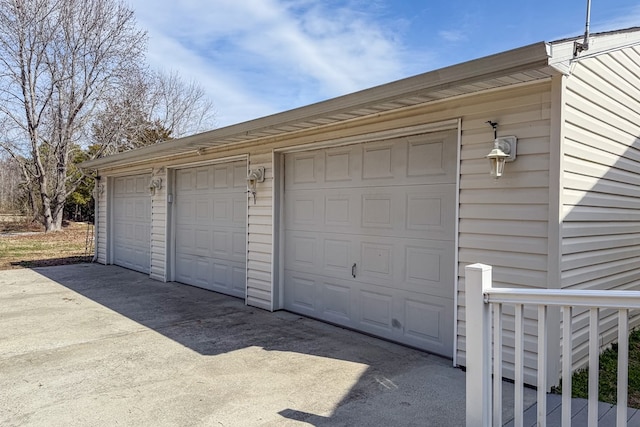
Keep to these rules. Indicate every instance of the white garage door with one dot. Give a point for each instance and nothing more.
(211, 218)
(369, 238)
(132, 222)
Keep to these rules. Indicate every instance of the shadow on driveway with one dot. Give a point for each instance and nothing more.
(252, 367)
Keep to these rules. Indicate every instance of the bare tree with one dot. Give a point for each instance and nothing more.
(13, 194)
(151, 107)
(58, 61)
(122, 122)
(181, 107)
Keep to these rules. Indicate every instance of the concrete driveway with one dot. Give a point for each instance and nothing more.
(89, 345)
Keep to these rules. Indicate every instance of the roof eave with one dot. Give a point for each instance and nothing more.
(534, 56)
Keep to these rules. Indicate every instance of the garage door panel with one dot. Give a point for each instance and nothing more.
(425, 321)
(377, 210)
(185, 238)
(211, 227)
(429, 268)
(184, 181)
(340, 210)
(337, 302)
(200, 266)
(239, 278)
(305, 209)
(140, 232)
(426, 265)
(221, 211)
(385, 208)
(302, 292)
(240, 176)
(221, 274)
(408, 211)
(239, 248)
(221, 246)
(426, 158)
(417, 319)
(131, 222)
(304, 250)
(336, 255)
(202, 211)
(338, 165)
(203, 240)
(428, 211)
(410, 159)
(376, 261)
(379, 161)
(239, 216)
(375, 311)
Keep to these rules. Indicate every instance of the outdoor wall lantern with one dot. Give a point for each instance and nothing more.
(255, 176)
(504, 150)
(155, 184)
(98, 190)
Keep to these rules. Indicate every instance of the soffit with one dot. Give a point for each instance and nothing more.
(518, 66)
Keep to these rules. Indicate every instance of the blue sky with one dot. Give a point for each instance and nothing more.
(259, 57)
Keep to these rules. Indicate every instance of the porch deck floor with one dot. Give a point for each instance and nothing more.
(579, 413)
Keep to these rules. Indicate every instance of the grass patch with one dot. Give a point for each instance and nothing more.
(20, 249)
(608, 375)
(23, 247)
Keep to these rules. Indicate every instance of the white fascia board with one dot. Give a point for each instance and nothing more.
(561, 53)
(530, 57)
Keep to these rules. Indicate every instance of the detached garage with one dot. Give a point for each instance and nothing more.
(363, 210)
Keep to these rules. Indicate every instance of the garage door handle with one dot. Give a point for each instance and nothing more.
(353, 270)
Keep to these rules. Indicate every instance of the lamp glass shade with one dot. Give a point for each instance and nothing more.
(497, 159)
(497, 166)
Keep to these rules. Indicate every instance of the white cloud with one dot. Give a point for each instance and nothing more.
(453, 35)
(257, 57)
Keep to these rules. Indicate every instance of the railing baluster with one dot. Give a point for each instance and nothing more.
(481, 412)
(623, 366)
(542, 365)
(497, 365)
(519, 368)
(478, 311)
(567, 351)
(594, 366)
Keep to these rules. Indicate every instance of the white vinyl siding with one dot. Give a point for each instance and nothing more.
(100, 219)
(260, 235)
(601, 207)
(159, 228)
(504, 222)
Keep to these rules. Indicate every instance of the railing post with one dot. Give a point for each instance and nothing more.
(478, 346)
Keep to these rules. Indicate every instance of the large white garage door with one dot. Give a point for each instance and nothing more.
(132, 222)
(211, 218)
(369, 238)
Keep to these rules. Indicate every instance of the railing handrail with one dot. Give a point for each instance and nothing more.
(563, 297)
(484, 329)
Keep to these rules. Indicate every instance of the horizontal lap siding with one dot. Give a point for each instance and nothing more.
(504, 222)
(159, 228)
(260, 235)
(101, 223)
(601, 185)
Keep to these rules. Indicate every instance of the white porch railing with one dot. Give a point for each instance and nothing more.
(484, 378)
